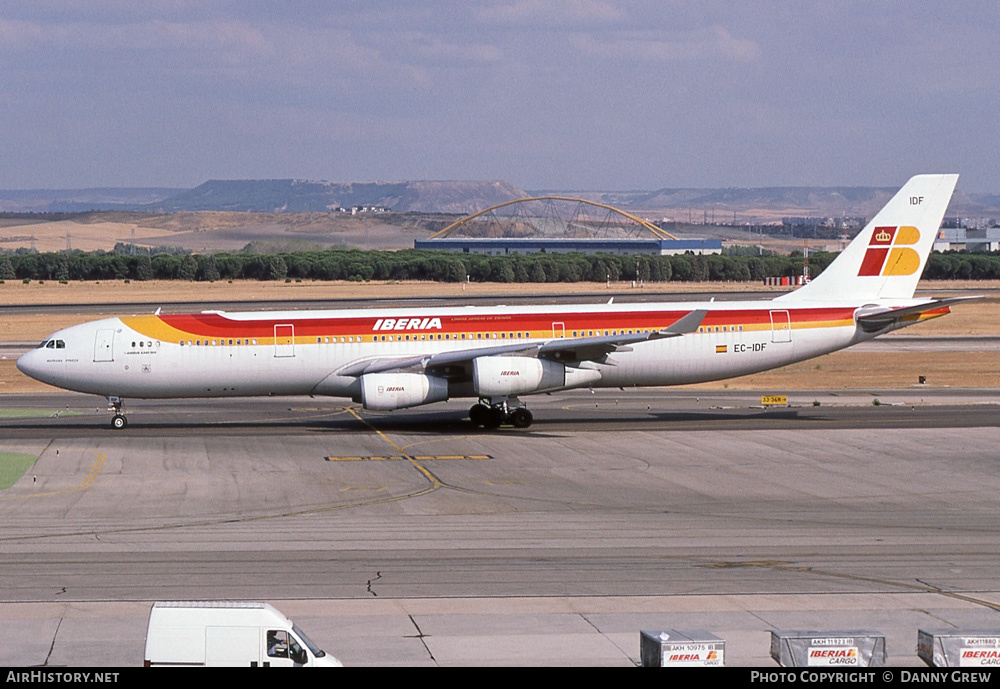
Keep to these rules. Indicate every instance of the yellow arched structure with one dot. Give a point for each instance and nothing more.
(657, 232)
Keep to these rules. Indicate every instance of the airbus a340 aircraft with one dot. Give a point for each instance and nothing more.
(396, 358)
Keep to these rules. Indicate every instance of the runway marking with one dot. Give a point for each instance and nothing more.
(307, 413)
(397, 458)
(88, 480)
(435, 441)
(919, 586)
(438, 483)
(434, 482)
(431, 478)
(315, 412)
(760, 563)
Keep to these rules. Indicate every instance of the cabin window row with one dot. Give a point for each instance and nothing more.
(720, 328)
(432, 336)
(605, 333)
(216, 343)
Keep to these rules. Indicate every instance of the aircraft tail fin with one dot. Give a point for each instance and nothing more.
(886, 259)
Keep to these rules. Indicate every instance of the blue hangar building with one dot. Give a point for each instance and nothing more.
(630, 247)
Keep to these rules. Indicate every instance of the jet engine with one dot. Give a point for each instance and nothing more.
(497, 376)
(388, 391)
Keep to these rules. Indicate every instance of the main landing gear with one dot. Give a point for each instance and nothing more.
(117, 405)
(491, 415)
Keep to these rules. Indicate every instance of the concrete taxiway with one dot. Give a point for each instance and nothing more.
(413, 538)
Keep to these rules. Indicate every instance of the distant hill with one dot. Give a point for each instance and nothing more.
(81, 200)
(762, 204)
(771, 203)
(301, 196)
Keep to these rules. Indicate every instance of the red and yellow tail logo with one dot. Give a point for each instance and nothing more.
(889, 252)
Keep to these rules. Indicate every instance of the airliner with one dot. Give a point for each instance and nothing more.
(393, 358)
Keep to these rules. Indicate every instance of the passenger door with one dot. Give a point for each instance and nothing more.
(104, 345)
(284, 340)
(781, 327)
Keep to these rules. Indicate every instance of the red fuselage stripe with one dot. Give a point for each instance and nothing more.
(218, 325)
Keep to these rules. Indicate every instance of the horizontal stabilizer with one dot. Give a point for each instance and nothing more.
(872, 318)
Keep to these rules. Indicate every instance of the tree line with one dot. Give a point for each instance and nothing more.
(413, 264)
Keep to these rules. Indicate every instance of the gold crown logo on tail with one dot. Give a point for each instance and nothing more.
(889, 253)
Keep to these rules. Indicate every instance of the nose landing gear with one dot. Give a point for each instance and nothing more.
(117, 405)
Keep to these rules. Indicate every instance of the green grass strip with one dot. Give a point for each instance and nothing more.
(34, 413)
(12, 467)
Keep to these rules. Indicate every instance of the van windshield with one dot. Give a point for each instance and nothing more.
(317, 652)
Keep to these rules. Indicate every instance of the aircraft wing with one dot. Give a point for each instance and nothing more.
(872, 318)
(597, 349)
(456, 363)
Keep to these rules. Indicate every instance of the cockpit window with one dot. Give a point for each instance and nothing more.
(52, 344)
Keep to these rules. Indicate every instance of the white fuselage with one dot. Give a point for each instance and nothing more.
(319, 352)
(397, 358)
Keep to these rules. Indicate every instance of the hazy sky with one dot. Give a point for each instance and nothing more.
(564, 94)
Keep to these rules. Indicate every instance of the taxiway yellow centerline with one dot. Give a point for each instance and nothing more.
(88, 480)
(434, 480)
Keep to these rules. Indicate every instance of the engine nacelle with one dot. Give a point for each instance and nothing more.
(388, 391)
(497, 376)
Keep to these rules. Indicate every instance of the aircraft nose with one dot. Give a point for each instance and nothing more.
(28, 364)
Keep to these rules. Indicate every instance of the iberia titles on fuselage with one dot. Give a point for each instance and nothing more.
(396, 358)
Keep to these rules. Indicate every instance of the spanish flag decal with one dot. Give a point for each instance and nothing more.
(720, 349)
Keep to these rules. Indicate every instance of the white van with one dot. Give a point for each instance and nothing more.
(222, 633)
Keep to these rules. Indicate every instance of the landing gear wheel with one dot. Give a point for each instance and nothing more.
(493, 418)
(477, 414)
(521, 418)
(118, 422)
